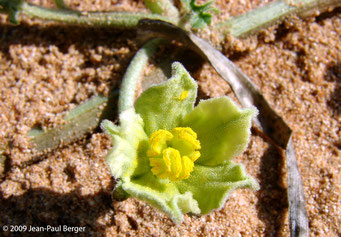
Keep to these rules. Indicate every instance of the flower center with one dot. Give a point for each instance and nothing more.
(173, 153)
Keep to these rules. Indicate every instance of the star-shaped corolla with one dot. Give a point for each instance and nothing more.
(177, 157)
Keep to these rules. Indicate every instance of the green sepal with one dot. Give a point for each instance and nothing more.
(118, 194)
(127, 139)
(222, 128)
(161, 106)
(211, 186)
(162, 194)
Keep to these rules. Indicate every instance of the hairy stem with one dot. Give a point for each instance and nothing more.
(111, 19)
(133, 72)
(261, 17)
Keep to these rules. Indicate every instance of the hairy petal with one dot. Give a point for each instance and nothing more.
(211, 186)
(127, 139)
(163, 106)
(162, 194)
(222, 128)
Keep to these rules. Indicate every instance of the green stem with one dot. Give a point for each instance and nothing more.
(133, 72)
(112, 19)
(259, 18)
(163, 7)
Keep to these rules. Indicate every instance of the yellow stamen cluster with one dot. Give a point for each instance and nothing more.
(172, 154)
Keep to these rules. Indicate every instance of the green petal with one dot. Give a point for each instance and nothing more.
(129, 140)
(212, 185)
(222, 128)
(163, 106)
(162, 194)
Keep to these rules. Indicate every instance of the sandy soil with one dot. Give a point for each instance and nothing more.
(48, 69)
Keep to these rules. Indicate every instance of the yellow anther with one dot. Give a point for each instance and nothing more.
(158, 141)
(187, 168)
(187, 135)
(172, 154)
(169, 166)
(175, 162)
(183, 95)
(194, 156)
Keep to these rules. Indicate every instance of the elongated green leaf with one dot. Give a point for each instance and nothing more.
(79, 121)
